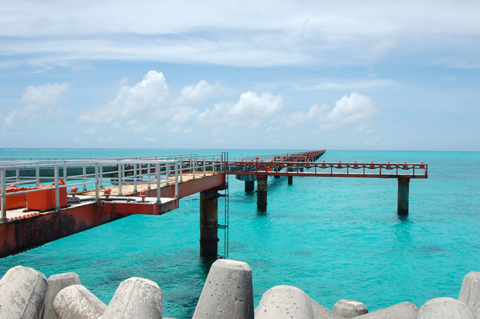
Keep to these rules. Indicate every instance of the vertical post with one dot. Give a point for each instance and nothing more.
(37, 176)
(290, 180)
(3, 215)
(249, 186)
(209, 223)
(17, 177)
(403, 190)
(65, 173)
(204, 166)
(157, 173)
(101, 175)
(262, 191)
(57, 191)
(84, 178)
(134, 178)
(120, 179)
(148, 176)
(181, 170)
(194, 166)
(97, 190)
(177, 164)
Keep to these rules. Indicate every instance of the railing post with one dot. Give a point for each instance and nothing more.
(134, 178)
(65, 173)
(148, 176)
(3, 215)
(97, 190)
(204, 166)
(17, 177)
(84, 178)
(157, 174)
(194, 166)
(57, 190)
(181, 170)
(101, 175)
(37, 176)
(176, 179)
(120, 179)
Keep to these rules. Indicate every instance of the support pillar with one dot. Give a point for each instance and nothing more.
(276, 176)
(249, 187)
(262, 191)
(209, 223)
(290, 180)
(403, 190)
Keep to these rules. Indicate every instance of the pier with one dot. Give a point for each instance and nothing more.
(46, 199)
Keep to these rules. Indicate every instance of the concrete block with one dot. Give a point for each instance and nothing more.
(321, 312)
(443, 308)
(227, 293)
(470, 292)
(285, 302)
(22, 293)
(404, 310)
(349, 308)
(136, 298)
(77, 302)
(55, 284)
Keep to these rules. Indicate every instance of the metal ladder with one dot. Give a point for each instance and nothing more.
(226, 217)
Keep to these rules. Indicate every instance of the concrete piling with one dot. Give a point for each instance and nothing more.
(282, 302)
(22, 293)
(209, 223)
(78, 302)
(470, 292)
(349, 308)
(262, 190)
(249, 187)
(404, 310)
(227, 293)
(136, 298)
(55, 284)
(443, 308)
(403, 190)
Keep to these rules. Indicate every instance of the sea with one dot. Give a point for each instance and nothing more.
(334, 238)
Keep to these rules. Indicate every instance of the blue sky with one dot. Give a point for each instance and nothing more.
(350, 75)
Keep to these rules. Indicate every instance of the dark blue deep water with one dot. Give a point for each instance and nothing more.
(333, 238)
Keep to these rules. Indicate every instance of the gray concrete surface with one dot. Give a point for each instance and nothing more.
(321, 312)
(443, 308)
(404, 310)
(227, 293)
(22, 293)
(77, 302)
(470, 292)
(349, 308)
(55, 284)
(136, 298)
(285, 302)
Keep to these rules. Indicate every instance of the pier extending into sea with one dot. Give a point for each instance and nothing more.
(47, 199)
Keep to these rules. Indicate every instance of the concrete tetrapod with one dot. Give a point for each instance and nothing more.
(77, 302)
(22, 292)
(443, 308)
(404, 310)
(55, 284)
(321, 312)
(284, 302)
(228, 292)
(136, 298)
(470, 292)
(349, 308)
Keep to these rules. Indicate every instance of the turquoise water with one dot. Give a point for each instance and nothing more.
(334, 238)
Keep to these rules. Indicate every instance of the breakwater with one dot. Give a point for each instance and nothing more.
(227, 293)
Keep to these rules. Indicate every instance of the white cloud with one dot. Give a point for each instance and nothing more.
(106, 139)
(349, 85)
(249, 111)
(38, 102)
(149, 139)
(295, 33)
(354, 109)
(192, 94)
(145, 99)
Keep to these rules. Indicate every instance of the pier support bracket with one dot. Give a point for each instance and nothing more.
(209, 223)
(403, 190)
(262, 191)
